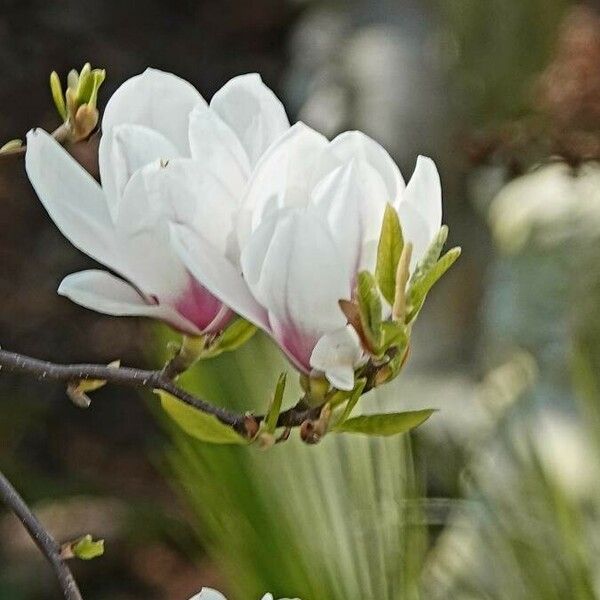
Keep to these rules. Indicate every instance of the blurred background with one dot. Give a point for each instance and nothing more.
(497, 496)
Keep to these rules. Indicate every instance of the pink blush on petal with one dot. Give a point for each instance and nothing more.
(199, 306)
(298, 346)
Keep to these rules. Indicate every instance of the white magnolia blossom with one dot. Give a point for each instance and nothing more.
(550, 205)
(210, 594)
(310, 221)
(159, 137)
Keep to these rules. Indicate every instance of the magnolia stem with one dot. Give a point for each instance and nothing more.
(151, 380)
(44, 541)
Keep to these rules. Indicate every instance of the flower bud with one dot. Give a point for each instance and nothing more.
(77, 106)
(317, 390)
(11, 146)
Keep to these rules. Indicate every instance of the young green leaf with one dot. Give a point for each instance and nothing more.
(87, 548)
(369, 303)
(432, 255)
(402, 275)
(275, 407)
(419, 290)
(85, 84)
(198, 424)
(394, 334)
(57, 95)
(385, 424)
(236, 335)
(354, 398)
(389, 250)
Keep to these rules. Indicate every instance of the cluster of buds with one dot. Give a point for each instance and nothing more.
(77, 106)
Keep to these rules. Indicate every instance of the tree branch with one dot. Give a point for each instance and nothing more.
(44, 541)
(148, 379)
(60, 134)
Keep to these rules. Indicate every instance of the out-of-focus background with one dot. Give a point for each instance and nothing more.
(498, 495)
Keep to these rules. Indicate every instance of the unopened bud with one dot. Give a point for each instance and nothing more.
(251, 426)
(86, 119)
(305, 382)
(85, 548)
(11, 146)
(77, 106)
(308, 433)
(318, 388)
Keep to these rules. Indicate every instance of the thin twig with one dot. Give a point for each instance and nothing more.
(148, 379)
(60, 134)
(44, 541)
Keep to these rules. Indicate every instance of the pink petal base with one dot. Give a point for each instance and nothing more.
(205, 311)
(298, 346)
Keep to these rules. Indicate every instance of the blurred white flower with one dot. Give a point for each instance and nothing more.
(210, 594)
(164, 155)
(547, 206)
(310, 221)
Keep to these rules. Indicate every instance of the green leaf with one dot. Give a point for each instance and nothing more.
(385, 424)
(87, 548)
(432, 255)
(394, 334)
(98, 77)
(57, 95)
(275, 408)
(389, 250)
(198, 424)
(237, 334)
(369, 303)
(85, 84)
(419, 290)
(397, 362)
(354, 398)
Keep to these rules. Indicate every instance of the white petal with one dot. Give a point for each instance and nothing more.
(383, 172)
(217, 274)
(189, 193)
(424, 192)
(103, 292)
(338, 199)
(337, 354)
(73, 199)
(301, 278)
(158, 100)
(282, 177)
(213, 143)
(208, 594)
(378, 177)
(123, 150)
(253, 113)
(143, 230)
(415, 230)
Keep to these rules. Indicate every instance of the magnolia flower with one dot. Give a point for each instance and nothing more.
(210, 594)
(550, 205)
(155, 127)
(310, 221)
